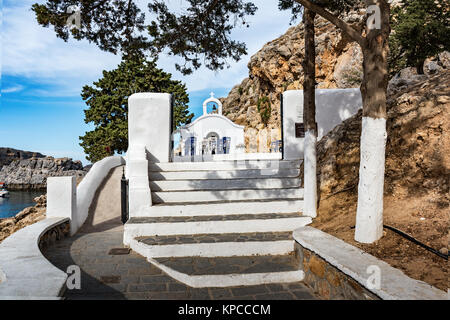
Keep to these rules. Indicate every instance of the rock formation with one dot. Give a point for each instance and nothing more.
(277, 67)
(32, 173)
(418, 109)
(8, 155)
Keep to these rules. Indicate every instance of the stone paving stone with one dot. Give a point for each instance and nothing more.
(139, 220)
(254, 264)
(142, 271)
(220, 293)
(249, 290)
(303, 295)
(274, 296)
(296, 286)
(137, 295)
(198, 294)
(147, 287)
(97, 297)
(275, 287)
(174, 287)
(130, 279)
(169, 296)
(156, 279)
(242, 298)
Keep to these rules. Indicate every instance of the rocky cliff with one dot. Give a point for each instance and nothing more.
(277, 67)
(32, 173)
(8, 155)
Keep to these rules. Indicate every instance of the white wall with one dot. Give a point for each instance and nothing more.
(149, 124)
(333, 106)
(292, 113)
(61, 199)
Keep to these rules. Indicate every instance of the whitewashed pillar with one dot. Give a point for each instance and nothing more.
(62, 198)
(149, 140)
(149, 116)
(369, 214)
(310, 174)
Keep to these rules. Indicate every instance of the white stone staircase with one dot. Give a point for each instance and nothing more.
(216, 224)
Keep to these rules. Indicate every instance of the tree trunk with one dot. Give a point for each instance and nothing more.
(309, 117)
(369, 216)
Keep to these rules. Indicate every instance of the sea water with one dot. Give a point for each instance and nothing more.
(17, 201)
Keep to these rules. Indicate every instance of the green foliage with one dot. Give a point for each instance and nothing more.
(334, 6)
(241, 91)
(107, 102)
(420, 30)
(114, 26)
(200, 33)
(264, 109)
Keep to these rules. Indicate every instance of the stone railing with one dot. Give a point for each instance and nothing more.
(338, 270)
(26, 273)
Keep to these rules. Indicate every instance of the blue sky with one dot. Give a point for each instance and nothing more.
(42, 76)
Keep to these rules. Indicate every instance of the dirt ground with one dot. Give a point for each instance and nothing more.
(418, 217)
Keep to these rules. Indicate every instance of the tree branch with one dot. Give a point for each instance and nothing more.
(346, 28)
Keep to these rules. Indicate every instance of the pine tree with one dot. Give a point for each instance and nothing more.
(107, 102)
(421, 29)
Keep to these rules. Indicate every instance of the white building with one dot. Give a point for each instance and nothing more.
(211, 134)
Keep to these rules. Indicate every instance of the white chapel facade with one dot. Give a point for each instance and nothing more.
(210, 134)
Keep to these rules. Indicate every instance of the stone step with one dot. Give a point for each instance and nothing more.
(224, 174)
(201, 272)
(178, 225)
(214, 245)
(224, 208)
(226, 195)
(220, 184)
(225, 165)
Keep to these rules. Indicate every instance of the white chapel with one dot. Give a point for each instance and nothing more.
(210, 134)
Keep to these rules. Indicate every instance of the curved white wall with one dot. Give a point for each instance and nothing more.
(89, 185)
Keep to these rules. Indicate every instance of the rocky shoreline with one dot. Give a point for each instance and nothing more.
(32, 173)
(24, 218)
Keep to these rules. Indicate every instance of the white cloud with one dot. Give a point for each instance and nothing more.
(32, 51)
(13, 89)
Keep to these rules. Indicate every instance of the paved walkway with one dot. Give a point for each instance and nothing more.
(130, 276)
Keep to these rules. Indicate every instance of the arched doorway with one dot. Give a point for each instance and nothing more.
(210, 144)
